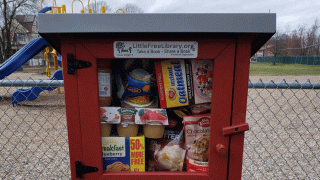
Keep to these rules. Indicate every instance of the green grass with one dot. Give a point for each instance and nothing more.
(283, 69)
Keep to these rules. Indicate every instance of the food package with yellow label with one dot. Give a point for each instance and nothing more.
(123, 154)
(184, 82)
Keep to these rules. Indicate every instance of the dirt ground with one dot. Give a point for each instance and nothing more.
(282, 142)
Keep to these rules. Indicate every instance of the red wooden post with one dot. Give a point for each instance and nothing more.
(240, 92)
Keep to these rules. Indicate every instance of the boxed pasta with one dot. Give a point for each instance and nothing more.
(184, 82)
(123, 154)
(197, 133)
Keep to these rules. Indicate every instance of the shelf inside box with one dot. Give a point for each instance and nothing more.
(155, 175)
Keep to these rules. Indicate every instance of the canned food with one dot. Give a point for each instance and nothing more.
(153, 129)
(138, 101)
(140, 75)
(137, 89)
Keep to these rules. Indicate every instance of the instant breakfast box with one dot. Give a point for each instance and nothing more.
(123, 154)
(184, 82)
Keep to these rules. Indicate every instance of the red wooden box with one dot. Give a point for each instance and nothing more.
(227, 39)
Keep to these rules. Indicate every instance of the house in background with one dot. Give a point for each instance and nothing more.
(264, 51)
(27, 30)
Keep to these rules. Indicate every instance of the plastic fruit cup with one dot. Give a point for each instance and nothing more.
(105, 129)
(127, 129)
(153, 130)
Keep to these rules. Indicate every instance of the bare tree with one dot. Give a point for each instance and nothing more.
(8, 10)
(132, 8)
(277, 44)
(295, 44)
(98, 4)
(313, 40)
(301, 42)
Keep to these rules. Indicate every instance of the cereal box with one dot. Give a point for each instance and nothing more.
(184, 82)
(197, 132)
(123, 154)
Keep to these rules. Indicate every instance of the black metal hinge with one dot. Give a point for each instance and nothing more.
(74, 64)
(82, 169)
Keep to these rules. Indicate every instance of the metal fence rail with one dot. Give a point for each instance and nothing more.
(283, 141)
(31, 83)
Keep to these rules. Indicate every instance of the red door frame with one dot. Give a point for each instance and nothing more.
(83, 112)
(239, 108)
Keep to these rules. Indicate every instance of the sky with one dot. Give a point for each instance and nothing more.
(291, 14)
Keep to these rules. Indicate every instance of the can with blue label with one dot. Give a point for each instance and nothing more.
(138, 87)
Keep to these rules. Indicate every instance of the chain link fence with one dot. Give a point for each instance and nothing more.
(283, 141)
(284, 137)
(33, 134)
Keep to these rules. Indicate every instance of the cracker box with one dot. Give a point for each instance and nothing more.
(184, 82)
(123, 154)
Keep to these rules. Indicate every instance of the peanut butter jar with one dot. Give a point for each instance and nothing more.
(105, 129)
(127, 129)
(153, 130)
(105, 85)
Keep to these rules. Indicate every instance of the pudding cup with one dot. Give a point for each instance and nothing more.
(127, 129)
(105, 129)
(153, 130)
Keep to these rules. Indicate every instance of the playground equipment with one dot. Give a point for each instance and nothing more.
(95, 7)
(25, 54)
(82, 10)
(33, 48)
(33, 92)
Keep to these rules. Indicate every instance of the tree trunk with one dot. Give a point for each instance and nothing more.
(1, 59)
(275, 60)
